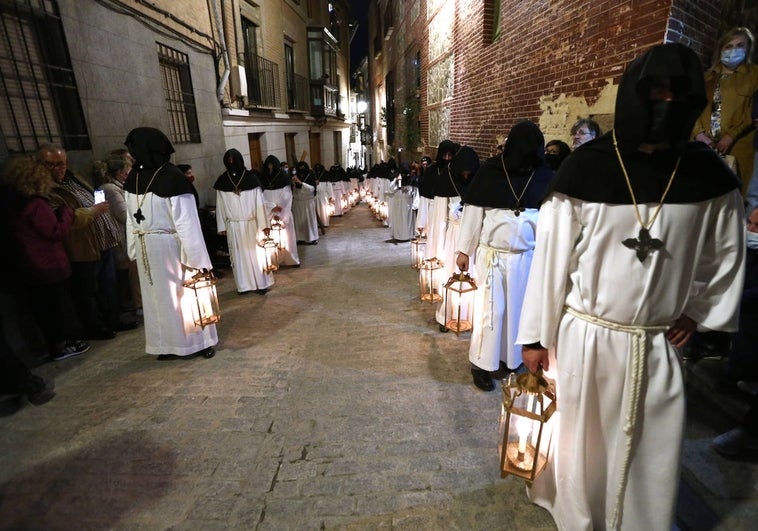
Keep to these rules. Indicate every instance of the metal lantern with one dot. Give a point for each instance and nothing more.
(428, 282)
(330, 207)
(277, 227)
(204, 306)
(270, 251)
(418, 247)
(458, 302)
(525, 428)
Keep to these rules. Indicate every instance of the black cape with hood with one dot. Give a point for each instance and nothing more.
(276, 178)
(522, 154)
(443, 182)
(304, 173)
(152, 150)
(592, 173)
(236, 177)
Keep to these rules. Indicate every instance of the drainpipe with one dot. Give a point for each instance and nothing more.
(224, 53)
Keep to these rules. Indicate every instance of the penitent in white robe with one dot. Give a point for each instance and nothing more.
(400, 200)
(282, 198)
(338, 190)
(304, 213)
(601, 476)
(169, 236)
(243, 217)
(501, 246)
(323, 196)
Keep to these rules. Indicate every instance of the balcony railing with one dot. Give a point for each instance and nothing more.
(297, 94)
(324, 99)
(262, 82)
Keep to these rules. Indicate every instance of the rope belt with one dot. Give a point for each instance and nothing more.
(639, 354)
(145, 262)
(491, 259)
(239, 220)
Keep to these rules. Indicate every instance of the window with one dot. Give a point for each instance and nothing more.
(180, 98)
(389, 83)
(289, 66)
(39, 100)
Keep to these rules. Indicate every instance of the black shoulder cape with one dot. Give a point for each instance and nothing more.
(490, 188)
(592, 173)
(169, 181)
(249, 181)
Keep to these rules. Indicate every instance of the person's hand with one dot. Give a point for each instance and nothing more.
(222, 233)
(99, 209)
(724, 144)
(705, 139)
(681, 331)
(462, 262)
(533, 358)
(276, 210)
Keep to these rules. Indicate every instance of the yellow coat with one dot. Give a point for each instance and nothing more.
(736, 102)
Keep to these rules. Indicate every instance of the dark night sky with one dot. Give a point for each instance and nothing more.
(359, 46)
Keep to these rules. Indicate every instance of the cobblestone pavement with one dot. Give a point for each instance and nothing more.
(333, 402)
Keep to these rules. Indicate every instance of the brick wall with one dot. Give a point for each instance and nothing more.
(553, 62)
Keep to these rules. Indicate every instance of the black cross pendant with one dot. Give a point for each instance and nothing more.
(644, 244)
(518, 209)
(138, 216)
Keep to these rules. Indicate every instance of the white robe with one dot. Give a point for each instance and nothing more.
(282, 198)
(169, 236)
(304, 213)
(243, 217)
(581, 263)
(338, 191)
(422, 215)
(401, 223)
(323, 195)
(504, 246)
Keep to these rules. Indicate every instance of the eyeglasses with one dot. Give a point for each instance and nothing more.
(55, 165)
(581, 132)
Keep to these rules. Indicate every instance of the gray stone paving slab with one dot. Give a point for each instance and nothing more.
(333, 402)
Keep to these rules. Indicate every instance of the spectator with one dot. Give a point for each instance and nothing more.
(584, 130)
(556, 152)
(725, 124)
(91, 249)
(40, 227)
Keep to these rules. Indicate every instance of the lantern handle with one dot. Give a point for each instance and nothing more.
(533, 382)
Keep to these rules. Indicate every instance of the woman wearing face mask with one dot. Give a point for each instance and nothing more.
(725, 124)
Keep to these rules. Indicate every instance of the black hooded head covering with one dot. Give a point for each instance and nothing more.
(466, 160)
(521, 161)
(439, 179)
(305, 174)
(275, 178)
(236, 178)
(637, 116)
(593, 173)
(152, 171)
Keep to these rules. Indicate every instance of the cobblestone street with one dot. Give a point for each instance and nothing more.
(333, 402)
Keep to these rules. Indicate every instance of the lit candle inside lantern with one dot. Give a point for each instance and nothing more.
(523, 429)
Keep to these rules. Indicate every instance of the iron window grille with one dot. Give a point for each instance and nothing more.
(180, 98)
(39, 99)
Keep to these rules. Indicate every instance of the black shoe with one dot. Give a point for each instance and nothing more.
(126, 325)
(99, 333)
(444, 329)
(482, 379)
(262, 291)
(314, 242)
(164, 357)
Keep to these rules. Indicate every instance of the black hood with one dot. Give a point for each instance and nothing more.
(235, 166)
(149, 146)
(275, 178)
(525, 147)
(446, 146)
(634, 108)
